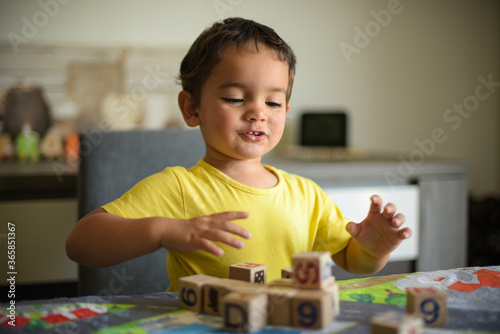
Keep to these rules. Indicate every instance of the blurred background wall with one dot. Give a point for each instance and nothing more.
(404, 71)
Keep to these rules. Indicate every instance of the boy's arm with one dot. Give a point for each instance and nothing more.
(373, 239)
(102, 239)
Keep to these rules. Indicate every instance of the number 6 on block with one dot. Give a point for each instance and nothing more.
(429, 303)
(191, 291)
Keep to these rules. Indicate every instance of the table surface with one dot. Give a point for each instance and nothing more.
(473, 306)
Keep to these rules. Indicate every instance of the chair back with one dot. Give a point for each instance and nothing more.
(111, 163)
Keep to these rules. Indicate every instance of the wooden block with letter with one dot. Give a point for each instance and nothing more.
(395, 322)
(244, 311)
(312, 269)
(287, 273)
(242, 286)
(312, 308)
(214, 292)
(191, 291)
(280, 305)
(428, 302)
(283, 282)
(250, 272)
(333, 288)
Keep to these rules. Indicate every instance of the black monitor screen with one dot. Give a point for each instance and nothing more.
(324, 129)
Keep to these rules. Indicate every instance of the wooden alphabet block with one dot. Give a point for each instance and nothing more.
(244, 312)
(280, 305)
(287, 273)
(248, 287)
(333, 288)
(283, 282)
(191, 291)
(312, 308)
(213, 294)
(312, 269)
(430, 303)
(250, 272)
(395, 322)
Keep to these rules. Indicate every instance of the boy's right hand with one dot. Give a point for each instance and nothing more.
(200, 233)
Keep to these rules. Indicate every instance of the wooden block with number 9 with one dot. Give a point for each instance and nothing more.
(312, 270)
(428, 302)
(312, 308)
(191, 291)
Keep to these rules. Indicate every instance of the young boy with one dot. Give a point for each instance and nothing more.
(229, 208)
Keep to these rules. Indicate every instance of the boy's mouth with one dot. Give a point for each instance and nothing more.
(255, 135)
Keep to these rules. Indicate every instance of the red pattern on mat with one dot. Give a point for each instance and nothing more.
(486, 278)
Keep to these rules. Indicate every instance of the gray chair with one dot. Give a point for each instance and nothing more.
(111, 163)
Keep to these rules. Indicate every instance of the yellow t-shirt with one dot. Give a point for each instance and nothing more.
(293, 216)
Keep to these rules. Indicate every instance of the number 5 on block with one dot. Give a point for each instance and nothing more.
(430, 303)
(312, 270)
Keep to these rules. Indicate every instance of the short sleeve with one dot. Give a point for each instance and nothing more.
(157, 195)
(332, 235)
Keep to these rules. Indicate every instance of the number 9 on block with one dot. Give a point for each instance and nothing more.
(312, 308)
(429, 303)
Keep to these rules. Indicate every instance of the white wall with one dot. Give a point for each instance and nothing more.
(397, 88)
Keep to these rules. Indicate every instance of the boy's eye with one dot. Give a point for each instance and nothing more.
(232, 101)
(274, 104)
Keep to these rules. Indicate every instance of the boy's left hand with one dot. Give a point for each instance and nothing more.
(380, 233)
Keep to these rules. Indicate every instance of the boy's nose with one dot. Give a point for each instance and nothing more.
(255, 114)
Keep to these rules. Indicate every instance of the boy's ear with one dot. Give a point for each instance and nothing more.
(188, 109)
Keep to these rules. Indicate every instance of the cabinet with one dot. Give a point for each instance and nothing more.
(41, 228)
(40, 200)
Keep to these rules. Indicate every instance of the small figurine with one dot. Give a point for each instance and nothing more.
(27, 145)
(72, 147)
(52, 146)
(6, 149)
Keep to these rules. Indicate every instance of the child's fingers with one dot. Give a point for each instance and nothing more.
(224, 237)
(220, 228)
(389, 211)
(231, 215)
(223, 222)
(405, 233)
(398, 220)
(376, 205)
(353, 229)
(206, 245)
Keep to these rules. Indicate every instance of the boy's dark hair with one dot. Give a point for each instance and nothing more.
(208, 48)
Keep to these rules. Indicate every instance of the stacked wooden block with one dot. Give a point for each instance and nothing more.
(315, 301)
(306, 295)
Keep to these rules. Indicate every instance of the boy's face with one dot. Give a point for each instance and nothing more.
(243, 106)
